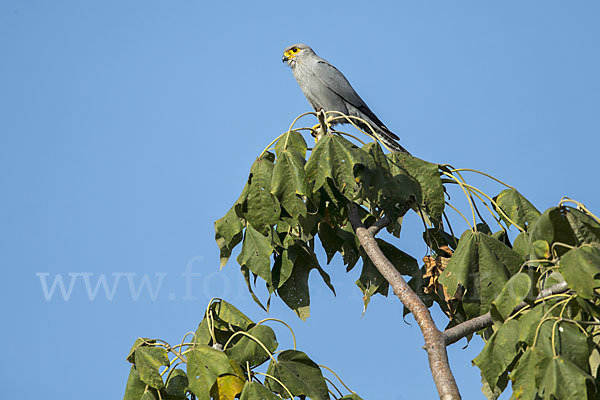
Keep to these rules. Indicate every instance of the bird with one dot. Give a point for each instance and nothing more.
(326, 88)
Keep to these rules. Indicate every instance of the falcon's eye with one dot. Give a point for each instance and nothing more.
(294, 50)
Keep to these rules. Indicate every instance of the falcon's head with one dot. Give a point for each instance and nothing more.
(295, 52)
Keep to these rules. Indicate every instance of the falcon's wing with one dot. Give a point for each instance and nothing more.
(337, 82)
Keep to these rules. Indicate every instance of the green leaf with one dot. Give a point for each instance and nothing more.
(482, 265)
(372, 282)
(573, 345)
(437, 238)
(499, 352)
(552, 337)
(227, 387)
(563, 380)
(594, 359)
(292, 140)
(541, 249)
(295, 292)
(177, 383)
(565, 225)
(350, 254)
(226, 315)
(404, 263)
(507, 256)
(389, 192)
(135, 387)
(289, 182)
(585, 228)
(516, 207)
(352, 396)
(202, 334)
(462, 261)
(149, 395)
(581, 269)
(308, 226)
(205, 364)
(524, 376)
(379, 157)
(299, 374)
(139, 342)
(261, 208)
(552, 227)
(148, 360)
(330, 241)
(529, 322)
(335, 158)
(255, 391)
(513, 292)
(282, 268)
(228, 234)
(395, 227)
(538, 374)
(246, 273)
(248, 350)
(428, 177)
(226, 319)
(502, 236)
(489, 392)
(256, 253)
(522, 246)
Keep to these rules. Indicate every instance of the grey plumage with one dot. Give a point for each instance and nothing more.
(327, 88)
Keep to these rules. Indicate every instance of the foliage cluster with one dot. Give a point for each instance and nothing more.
(222, 360)
(294, 200)
(289, 201)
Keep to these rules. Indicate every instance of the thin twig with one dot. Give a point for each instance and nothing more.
(454, 334)
(379, 225)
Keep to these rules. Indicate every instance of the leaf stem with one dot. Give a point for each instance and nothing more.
(546, 318)
(500, 211)
(280, 321)
(461, 214)
(253, 338)
(350, 118)
(209, 319)
(580, 206)
(498, 221)
(278, 381)
(338, 378)
(350, 135)
(332, 384)
(484, 174)
(462, 186)
(568, 246)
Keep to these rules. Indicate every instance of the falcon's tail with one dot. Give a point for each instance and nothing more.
(389, 142)
(385, 135)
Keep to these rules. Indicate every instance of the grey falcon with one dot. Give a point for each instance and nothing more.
(327, 88)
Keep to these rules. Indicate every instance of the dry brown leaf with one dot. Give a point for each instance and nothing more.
(434, 266)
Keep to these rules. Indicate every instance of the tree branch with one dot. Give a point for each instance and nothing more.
(434, 338)
(466, 328)
(379, 225)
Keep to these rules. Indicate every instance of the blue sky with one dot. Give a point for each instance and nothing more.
(128, 127)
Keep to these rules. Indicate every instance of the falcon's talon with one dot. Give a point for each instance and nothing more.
(317, 131)
(314, 130)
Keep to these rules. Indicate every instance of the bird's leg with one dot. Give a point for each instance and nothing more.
(322, 127)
